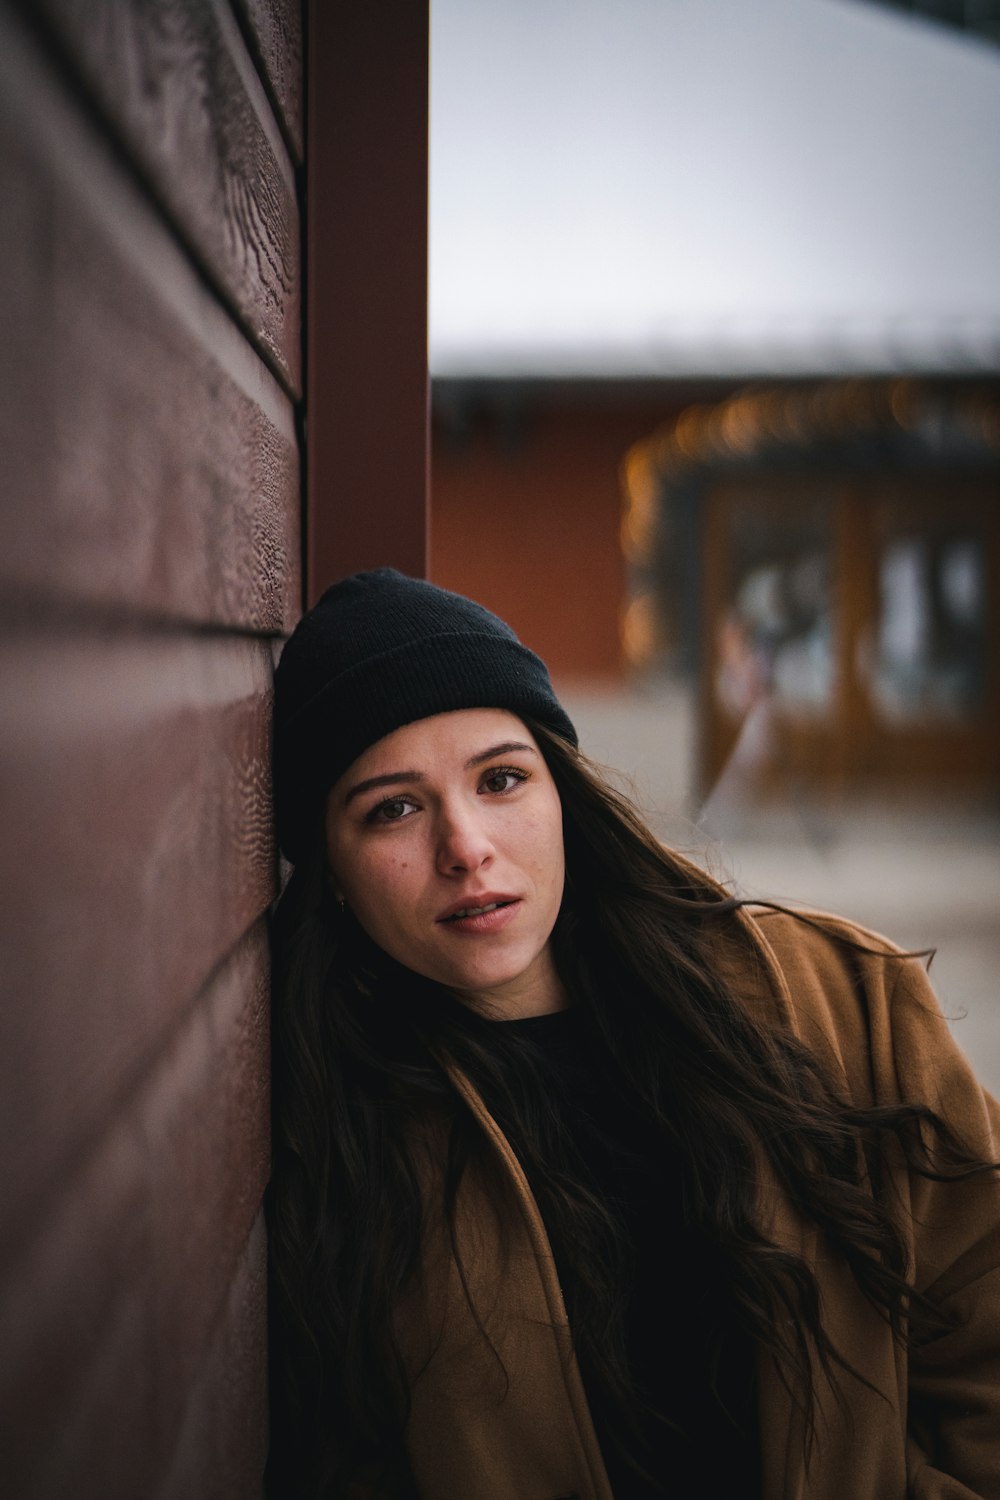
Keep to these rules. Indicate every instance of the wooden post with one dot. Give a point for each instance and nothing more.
(367, 428)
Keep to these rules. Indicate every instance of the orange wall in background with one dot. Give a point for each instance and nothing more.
(525, 508)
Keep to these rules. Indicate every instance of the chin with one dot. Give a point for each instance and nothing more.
(492, 980)
(488, 979)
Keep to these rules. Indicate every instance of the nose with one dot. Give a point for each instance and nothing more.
(464, 842)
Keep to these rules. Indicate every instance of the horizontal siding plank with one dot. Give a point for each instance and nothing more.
(178, 87)
(276, 28)
(223, 1445)
(150, 459)
(71, 1313)
(138, 831)
(114, 1312)
(207, 1120)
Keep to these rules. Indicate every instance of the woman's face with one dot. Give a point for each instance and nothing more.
(445, 840)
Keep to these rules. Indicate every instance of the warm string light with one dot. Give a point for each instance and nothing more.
(758, 418)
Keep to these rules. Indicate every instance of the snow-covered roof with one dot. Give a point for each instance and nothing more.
(710, 187)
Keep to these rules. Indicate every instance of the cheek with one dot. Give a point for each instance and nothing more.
(378, 889)
(546, 852)
(553, 833)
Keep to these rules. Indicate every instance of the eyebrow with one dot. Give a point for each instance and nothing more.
(503, 749)
(392, 778)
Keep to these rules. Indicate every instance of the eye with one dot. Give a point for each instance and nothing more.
(393, 810)
(503, 779)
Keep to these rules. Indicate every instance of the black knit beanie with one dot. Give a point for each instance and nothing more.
(380, 650)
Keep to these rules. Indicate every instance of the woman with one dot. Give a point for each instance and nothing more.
(589, 1181)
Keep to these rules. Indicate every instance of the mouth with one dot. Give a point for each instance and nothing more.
(487, 915)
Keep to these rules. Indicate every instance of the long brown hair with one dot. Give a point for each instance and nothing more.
(357, 1046)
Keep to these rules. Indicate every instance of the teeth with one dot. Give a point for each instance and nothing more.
(474, 911)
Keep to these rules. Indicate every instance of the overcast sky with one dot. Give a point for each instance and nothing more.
(668, 185)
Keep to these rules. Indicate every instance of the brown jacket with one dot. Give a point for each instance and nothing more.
(514, 1424)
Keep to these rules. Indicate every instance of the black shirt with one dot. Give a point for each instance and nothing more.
(685, 1349)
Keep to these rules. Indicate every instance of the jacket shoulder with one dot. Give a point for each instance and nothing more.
(867, 1007)
(855, 998)
(809, 934)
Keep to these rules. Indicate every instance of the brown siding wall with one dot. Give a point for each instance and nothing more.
(150, 365)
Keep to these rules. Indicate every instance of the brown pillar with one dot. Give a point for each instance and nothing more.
(367, 428)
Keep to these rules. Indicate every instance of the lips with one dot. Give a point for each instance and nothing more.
(470, 907)
(481, 922)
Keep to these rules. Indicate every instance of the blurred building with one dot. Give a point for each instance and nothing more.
(822, 563)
